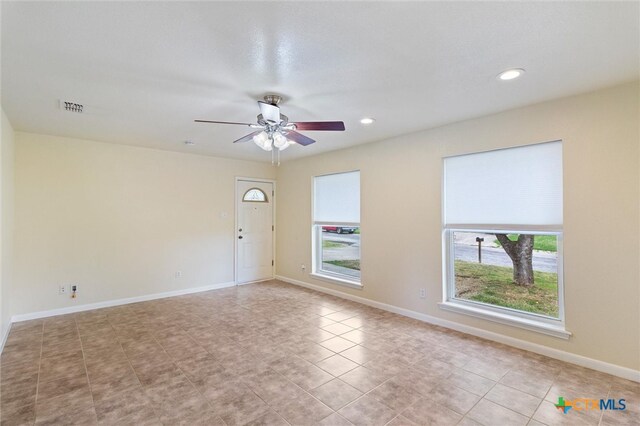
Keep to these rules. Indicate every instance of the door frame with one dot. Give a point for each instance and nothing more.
(235, 228)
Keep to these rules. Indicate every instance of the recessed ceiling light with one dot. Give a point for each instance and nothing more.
(189, 142)
(367, 120)
(510, 74)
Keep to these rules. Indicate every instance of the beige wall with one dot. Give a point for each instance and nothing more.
(401, 216)
(119, 221)
(6, 220)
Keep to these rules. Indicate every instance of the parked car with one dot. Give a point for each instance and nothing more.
(339, 229)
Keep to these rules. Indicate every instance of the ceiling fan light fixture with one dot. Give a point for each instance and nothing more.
(511, 74)
(263, 140)
(280, 141)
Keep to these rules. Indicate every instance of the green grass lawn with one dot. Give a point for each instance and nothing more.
(333, 244)
(351, 264)
(540, 242)
(494, 285)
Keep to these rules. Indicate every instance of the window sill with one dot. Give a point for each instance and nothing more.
(503, 318)
(336, 280)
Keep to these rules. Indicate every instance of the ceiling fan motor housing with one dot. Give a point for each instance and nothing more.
(273, 99)
(284, 120)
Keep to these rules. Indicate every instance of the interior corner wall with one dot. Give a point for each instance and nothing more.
(6, 222)
(119, 221)
(401, 220)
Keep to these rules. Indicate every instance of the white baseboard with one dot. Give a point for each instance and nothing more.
(117, 302)
(605, 367)
(257, 281)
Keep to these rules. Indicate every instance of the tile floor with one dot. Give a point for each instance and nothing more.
(276, 354)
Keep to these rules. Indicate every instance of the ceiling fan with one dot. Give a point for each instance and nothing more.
(275, 132)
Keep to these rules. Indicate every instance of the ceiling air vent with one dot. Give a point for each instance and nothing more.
(71, 106)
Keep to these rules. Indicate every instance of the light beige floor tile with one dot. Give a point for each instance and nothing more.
(394, 395)
(123, 404)
(364, 379)
(244, 409)
(493, 371)
(427, 412)
(337, 328)
(304, 410)
(337, 344)
(471, 382)
(310, 377)
(489, 413)
(79, 416)
(454, 398)
(337, 365)
(356, 336)
(516, 400)
(401, 421)
(268, 353)
(273, 388)
(334, 419)
(67, 402)
(367, 411)
(340, 316)
(24, 415)
(336, 393)
(270, 419)
(622, 418)
(354, 322)
(317, 335)
(359, 354)
(531, 384)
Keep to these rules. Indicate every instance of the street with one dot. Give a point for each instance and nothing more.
(542, 261)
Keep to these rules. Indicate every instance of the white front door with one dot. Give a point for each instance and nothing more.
(254, 231)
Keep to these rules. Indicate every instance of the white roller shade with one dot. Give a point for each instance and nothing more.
(337, 198)
(515, 186)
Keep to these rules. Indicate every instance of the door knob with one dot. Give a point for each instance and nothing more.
(240, 237)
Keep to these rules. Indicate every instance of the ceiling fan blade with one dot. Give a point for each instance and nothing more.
(299, 138)
(270, 112)
(222, 122)
(248, 137)
(320, 125)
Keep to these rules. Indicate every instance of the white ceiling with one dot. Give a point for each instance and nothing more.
(144, 70)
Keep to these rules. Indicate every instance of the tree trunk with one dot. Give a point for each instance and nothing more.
(521, 254)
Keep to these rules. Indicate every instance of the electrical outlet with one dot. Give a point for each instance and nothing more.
(62, 289)
(423, 293)
(303, 267)
(178, 274)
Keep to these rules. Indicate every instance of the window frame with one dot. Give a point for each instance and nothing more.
(316, 241)
(316, 260)
(527, 320)
(504, 315)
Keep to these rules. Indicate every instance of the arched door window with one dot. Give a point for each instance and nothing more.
(255, 195)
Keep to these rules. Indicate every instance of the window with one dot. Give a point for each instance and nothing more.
(255, 195)
(502, 236)
(336, 228)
